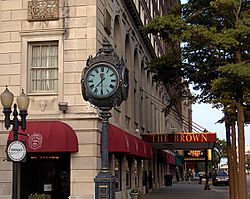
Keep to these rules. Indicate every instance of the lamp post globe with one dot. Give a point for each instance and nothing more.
(22, 101)
(7, 98)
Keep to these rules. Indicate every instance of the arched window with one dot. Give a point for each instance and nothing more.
(136, 88)
(118, 37)
(128, 63)
(142, 98)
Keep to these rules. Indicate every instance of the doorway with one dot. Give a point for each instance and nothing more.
(46, 173)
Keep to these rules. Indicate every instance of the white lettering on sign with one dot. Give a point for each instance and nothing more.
(16, 151)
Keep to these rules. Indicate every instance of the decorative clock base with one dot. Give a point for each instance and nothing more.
(105, 185)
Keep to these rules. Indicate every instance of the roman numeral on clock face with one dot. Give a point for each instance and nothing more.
(102, 80)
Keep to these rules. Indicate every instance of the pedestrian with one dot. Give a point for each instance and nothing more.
(200, 177)
(177, 175)
(189, 176)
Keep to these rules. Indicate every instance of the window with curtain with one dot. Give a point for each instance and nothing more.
(43, 67)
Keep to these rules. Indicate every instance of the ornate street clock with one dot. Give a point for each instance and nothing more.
(105, 80)
(102, 80)
(105, 84)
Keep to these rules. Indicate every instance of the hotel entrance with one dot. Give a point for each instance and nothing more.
(46, 173)
(46, 170)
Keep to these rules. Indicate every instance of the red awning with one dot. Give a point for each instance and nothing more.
(118, 140)
(149, 150)
(145, 149)
(134, 145)
(48, 136)
(169, 157)
(123, 142)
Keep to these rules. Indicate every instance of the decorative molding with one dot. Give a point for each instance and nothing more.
(43, 32)
(43, 104)
(43, 10)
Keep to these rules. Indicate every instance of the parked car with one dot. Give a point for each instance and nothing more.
(220, 178)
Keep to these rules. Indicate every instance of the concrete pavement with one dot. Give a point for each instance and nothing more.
(184, 190)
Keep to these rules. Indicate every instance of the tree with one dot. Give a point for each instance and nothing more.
(219, 152)
(214, 57)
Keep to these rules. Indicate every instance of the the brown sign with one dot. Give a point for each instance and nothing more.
(180, 137)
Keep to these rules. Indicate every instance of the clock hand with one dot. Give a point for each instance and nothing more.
(100, 82)
(101, 88)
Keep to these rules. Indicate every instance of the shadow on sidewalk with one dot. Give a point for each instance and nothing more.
(184, 190)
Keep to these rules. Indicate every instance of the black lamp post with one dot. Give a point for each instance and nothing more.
(22, 104)
(206, 171)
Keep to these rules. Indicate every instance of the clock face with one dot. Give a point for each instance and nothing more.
(102, 80)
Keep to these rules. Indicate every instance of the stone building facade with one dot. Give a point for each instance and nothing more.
(44, 46)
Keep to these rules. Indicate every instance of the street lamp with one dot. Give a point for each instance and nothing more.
(206, 171)
(22, 104)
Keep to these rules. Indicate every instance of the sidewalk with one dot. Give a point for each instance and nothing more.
(184, 190)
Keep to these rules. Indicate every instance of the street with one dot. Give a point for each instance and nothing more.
(225, 188)
(184, 190)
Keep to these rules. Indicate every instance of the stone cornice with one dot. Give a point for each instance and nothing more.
(130, 6)
(43, 32)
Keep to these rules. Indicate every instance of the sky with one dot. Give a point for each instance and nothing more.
(206, 116)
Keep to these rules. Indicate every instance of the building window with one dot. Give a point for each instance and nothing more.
(118, 170)
(128, 174)
(136, 174)
(43, 65)
(127, 121)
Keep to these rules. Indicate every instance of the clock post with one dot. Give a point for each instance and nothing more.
(105, 84)
(105, 181)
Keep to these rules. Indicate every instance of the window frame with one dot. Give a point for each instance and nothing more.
(30, 67)
(41, 36)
